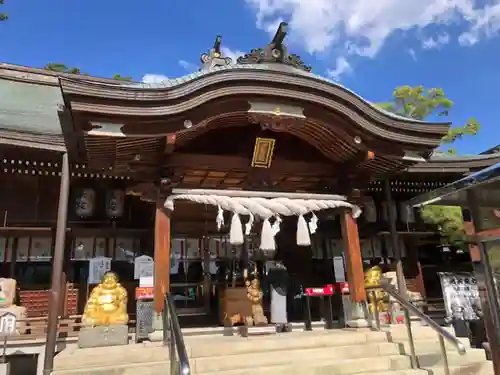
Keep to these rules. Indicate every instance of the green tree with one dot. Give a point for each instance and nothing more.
(62, 68)
(421, 104)
(3, 16)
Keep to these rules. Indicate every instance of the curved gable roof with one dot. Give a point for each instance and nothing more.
(29, 114)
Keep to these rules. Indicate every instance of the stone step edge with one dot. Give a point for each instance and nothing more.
(368, 341)
(386, 372)
(371, 354)
(399, 345)
(439, 369)
(320, 363)
(115, 366)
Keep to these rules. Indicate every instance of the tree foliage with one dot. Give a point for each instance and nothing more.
(421, 104)
(448, 220)
(118, 77)
(62, 68)
(3, 16)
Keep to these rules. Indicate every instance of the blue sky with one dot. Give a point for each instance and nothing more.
(368, 46)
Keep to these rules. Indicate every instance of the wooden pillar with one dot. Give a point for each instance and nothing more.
(391, 216)
(57, 268)
(354, 262)
(161, 255)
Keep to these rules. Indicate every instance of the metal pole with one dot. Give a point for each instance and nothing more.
(491, 312)
(57, 268)
(307, 314)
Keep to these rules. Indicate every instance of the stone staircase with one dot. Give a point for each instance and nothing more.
(321, 352)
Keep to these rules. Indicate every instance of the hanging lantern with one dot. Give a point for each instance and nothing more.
(85, 202)
(370, 211)
(114, 203)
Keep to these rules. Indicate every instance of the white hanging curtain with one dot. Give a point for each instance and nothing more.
(385, 211)
(390, 250)
(370, 211)
(376, 247)
(406, 213)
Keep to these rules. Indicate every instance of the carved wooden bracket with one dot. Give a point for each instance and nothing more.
(275, 123)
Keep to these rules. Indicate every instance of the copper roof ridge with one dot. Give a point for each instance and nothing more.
(20, 69)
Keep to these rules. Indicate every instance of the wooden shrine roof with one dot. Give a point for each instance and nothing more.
(150, 131)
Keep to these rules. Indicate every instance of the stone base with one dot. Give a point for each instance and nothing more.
(157, 334)
(357, 315)
(95, 337)
(5, 368)
(246, 331)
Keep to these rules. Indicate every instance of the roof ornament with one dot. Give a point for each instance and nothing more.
(214, 57)
(275, 52)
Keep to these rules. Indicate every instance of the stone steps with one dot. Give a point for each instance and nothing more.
(321, 352)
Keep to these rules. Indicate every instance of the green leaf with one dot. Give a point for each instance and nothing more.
(118, 77)
(420, 104)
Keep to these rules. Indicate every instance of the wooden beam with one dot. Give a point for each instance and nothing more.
(243, 164)
(170, 144)
(360, 161)
(354, 262)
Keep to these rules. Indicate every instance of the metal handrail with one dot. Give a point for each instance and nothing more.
(172, 337)
(408, 308)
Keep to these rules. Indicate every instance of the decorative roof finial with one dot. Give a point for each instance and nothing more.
(214, 57)
(275, 52)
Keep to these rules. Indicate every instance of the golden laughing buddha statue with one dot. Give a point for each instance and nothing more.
(373, 276)
(107, 304)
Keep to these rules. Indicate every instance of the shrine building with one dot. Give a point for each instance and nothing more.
(240, 161)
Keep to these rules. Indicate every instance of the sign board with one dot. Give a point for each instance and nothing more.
(97, 268)
(8, 324)
(338, 269)
(144, 293)
(327, 290)
(461, 295)
(143, 267)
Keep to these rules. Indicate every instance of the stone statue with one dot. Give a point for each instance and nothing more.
(254, 294)
(7, 292)
(107, 304)
(373, 276)
(8, 288)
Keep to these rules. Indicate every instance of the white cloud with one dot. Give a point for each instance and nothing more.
(437, 42)
(361, 27)
(342, 67)
(413, 54)
(190, 67)
(154, 78)
(233, 54)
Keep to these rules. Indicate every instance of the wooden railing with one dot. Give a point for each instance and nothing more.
(36, 328)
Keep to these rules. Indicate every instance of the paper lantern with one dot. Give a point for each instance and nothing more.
(85, 202)
(114, 203)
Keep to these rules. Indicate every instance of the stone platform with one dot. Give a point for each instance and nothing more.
(104, 336)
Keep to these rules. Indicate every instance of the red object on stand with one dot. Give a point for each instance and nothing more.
(327, 290)
(144, 293)
(343, 287)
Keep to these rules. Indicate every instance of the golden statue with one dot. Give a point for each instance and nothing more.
(373, 276)
(254, 294)
(107, 303)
